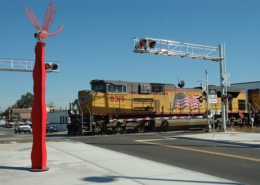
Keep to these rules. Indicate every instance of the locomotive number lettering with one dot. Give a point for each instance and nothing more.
(117, 98)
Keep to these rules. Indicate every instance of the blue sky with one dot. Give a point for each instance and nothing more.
(96, 43)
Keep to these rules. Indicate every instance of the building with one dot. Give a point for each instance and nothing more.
(25, 114)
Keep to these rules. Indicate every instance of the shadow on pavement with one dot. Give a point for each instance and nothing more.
(14, 168)
(106, 179)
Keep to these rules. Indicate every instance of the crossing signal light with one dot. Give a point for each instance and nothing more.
(152, 43)
(200, 99)
(145, 43)
(142, 42)
(51, 67)
(230, 98)
(181, 84)
(209, 112)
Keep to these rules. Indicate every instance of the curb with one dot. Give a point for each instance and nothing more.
(218, 141)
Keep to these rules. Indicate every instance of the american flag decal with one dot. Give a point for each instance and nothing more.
(181, 101)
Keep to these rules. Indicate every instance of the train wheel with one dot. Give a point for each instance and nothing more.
(109, 131)
(217, 124)
(96, 130)
(151, 125)
(118, 129)
(164, 125)
(140, 129)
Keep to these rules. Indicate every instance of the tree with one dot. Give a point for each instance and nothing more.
(51, 104)
(26, 101)
(76, 103)
(14, 117)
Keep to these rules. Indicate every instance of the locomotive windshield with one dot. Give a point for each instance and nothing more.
(98, 87)
(116, 88)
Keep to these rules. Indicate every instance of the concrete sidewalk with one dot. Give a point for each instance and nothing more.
(234, 138)
(78, 163)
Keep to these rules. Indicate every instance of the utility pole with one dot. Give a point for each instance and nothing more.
(207, 97)
(223, 93)
(206, 91)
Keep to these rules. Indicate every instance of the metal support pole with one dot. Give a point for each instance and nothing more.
(223, 106)
(207, 97)
(81, 113)
(227, 106)
(90, 119)
(213, 123)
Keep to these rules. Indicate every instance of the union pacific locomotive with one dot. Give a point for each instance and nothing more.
(122, 106)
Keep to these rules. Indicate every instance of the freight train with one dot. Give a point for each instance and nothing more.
(121, 106)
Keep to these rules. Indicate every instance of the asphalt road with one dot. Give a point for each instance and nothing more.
(219, 160)
(204, 157)
(7, 135)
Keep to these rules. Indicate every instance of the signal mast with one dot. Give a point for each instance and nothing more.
(20, 65)
(194, 51)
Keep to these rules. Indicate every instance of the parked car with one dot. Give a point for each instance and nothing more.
(2, 123)
(22, 128)
(52, 128)
(55, 128)
(8, 125)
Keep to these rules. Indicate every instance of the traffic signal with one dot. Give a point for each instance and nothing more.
(209, 112)
(181, 84)
(200, 99)
(230, 97)
(51, 67)
(142, 42)
(145, 43)
(152, 43)
(223, 98)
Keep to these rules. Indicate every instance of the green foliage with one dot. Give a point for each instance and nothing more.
(14, 117)
(75, 102)
(26, 101)
(2, 114)
(51, 104)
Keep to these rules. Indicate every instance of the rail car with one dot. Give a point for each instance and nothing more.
(122, 106)
(254, 99)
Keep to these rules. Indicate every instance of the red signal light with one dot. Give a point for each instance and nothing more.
(223, 98)
(47, 66)
(230, 98)
(142, 42)
(51, 67)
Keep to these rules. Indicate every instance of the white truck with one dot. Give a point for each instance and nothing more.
(22, 128)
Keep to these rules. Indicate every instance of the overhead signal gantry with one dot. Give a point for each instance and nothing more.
(194, 51)
(20, 65)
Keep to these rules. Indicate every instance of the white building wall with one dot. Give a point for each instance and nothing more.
(57, 118)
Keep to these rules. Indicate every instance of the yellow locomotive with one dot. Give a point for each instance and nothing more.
(116, 106)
